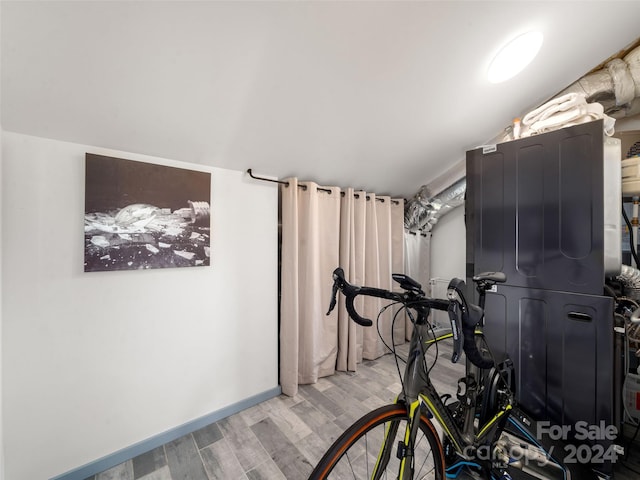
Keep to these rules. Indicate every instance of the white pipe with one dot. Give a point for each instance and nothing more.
(424, 210)
(616, 86)
(630, 277)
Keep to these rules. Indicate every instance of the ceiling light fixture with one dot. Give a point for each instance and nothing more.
(514, 57)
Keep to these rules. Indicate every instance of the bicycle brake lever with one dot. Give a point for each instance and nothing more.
(350, 292)
(334, 293)
(456, 330)
(338, 281)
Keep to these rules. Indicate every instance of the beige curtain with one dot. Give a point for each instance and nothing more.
(352, 243)
(378, 265)
(398, 263)
(357, 231)
(417, 250)
(310, 237)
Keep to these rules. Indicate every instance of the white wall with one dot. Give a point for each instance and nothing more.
(1, 355)
(2, 462)
(449, 246)
(626, 124)
(94, 362)
(1, 328)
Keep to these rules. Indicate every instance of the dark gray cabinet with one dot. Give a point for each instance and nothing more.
(535, 210)
(561, 345)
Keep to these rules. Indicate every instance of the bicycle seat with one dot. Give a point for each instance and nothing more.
(495, 277)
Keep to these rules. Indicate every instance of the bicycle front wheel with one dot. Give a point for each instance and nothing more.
(369, 449)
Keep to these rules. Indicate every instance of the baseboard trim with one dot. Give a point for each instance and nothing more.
(144, 446)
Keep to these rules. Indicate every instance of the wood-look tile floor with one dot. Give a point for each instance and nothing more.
(283, 438)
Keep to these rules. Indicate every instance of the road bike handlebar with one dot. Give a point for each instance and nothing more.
(351, 292)
(463, 316)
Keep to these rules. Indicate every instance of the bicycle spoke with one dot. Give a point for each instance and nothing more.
(417, 471)
(368, 450)
(351, 467)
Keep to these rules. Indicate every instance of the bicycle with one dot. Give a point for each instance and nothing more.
(484, 433)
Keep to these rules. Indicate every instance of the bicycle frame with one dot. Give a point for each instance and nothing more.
(419, 393)
(419, 390)
(483, 441)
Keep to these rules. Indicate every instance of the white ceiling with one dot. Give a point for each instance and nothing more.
(383, 96)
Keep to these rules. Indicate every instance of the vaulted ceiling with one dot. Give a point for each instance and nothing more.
(383, 96)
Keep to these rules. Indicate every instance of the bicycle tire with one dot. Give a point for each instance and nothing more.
(346, 460)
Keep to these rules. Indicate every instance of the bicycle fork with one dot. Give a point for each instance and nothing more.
(385, 451)
(405, 450)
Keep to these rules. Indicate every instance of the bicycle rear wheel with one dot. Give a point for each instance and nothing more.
(368, 449)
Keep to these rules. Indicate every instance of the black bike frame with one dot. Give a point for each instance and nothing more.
(418, 388)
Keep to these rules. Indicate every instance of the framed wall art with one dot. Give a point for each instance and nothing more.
(141, 215)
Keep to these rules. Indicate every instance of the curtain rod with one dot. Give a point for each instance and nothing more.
(304, 187)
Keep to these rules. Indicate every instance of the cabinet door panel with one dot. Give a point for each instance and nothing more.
(560, 344)
(535, 210)
(529, 254)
